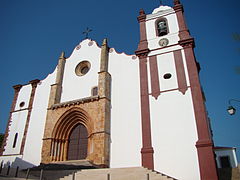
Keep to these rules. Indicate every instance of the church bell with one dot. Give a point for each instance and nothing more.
(162, 28)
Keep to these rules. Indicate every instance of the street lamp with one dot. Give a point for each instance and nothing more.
(231, 110)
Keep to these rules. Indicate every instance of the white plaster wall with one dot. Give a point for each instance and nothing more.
(166, 64)
(174, 135)
(126, 141)
(17, 126)
(33, 146)
(231, 153)
(166, 55)
(77, 87)
(18, 120)
(23, 96)
(172, 36)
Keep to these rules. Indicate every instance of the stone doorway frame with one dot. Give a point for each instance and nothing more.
(63, 129)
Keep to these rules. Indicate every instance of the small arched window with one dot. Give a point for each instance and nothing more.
(15, 140)
(162, 27)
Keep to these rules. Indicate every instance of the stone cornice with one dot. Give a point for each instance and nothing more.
(75, 102)
(142, 16)
(178, 7)
(187, 43)
(142, 53)
(17, 87)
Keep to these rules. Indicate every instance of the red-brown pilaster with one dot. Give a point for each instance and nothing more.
(34, 86)
(16, 92)
(207, 165)
(183, 30)
(142, 53)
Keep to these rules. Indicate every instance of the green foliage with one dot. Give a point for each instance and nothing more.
(1, 139)
(237, 70)
(236, 36)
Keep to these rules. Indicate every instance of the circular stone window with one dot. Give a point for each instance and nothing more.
(82, 68)
(22, 104)
(167, 76)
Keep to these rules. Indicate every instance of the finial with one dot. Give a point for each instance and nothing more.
(177, 2)
(141, 12)
(62, 56)
(104, 42)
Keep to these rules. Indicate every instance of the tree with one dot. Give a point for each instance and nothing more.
(1, 139)
(236, 37)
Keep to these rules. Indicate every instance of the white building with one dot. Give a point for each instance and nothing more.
(226, 157)
(119, 110)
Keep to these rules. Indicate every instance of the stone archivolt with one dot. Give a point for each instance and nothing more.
(60, 123)
(62, 130)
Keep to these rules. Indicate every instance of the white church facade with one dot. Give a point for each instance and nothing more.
(117, 110)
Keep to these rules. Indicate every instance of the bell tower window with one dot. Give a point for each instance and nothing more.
(161, 27)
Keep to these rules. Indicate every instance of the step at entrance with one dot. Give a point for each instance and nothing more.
(134, 173)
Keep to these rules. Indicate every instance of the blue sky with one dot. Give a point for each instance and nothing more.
(33, 34)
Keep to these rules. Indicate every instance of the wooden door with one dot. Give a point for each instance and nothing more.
(78, 143)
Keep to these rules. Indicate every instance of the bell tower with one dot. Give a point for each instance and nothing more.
(176, 138)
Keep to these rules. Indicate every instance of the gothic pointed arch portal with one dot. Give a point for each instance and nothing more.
(78, 143)
(70, 137)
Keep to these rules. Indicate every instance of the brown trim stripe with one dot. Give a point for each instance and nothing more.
(155, 84)
(147, 149)
(30, 105)
(142, 53)
(16, 92)
(181, 77)
(169, 90)
(204, 145)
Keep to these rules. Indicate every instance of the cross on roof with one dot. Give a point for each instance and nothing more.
(162, 2)
(87, 31)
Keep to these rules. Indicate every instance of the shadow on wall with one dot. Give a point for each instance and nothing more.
(229, 173)
(18, 162)
(10, 168)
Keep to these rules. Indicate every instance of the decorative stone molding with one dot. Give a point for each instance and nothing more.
(143, 53)
(75, 102)
(187, 43)
(177, 2)
(142, 16)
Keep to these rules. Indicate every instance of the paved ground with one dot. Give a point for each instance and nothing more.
(11, 178)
